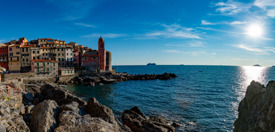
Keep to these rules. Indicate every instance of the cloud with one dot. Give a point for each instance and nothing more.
(266, 5)
(74, 9)
(196, 44)
(271, 12)
(174, 31)
(231, 7)
(108, 35)
(204, 22)
(171, 51)
(263, 50)
(84, 25)
(246, 47)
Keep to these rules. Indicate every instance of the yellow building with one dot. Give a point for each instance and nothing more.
(14, 58)
(26, 58)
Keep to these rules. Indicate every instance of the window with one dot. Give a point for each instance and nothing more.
(48, 63)
(17, 53)
(26, 49)
(33, 58)
(37, 52)
(17, 58)
(22, 49)
(48, 69)
(23, 60)
(37, 65)
(27, 59)
(43, 63)
(33, 52)
(67, 53)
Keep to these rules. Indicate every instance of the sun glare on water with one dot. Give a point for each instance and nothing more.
(254, 30)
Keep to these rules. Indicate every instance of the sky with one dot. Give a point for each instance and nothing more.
(190, 32)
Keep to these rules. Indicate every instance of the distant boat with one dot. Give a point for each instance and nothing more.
(256, 65)
(151, 64)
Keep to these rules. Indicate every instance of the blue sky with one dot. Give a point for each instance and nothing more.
(191, 32)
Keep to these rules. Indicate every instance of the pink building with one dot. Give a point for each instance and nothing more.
(99, 60)
(76, 58)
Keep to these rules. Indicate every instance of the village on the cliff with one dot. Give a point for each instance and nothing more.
(51, 57)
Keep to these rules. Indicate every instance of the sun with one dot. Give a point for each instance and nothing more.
(254, 30)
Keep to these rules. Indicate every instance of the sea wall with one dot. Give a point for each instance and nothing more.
(257, 109)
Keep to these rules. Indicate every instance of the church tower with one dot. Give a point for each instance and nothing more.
(102, 54)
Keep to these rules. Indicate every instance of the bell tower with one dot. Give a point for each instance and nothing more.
(102, 54)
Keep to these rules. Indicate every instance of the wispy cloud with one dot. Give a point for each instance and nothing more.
(263, 50)
(248, 48)
(84, 25)
(231, 7)
(171, 51)
(187, 44)
(174, 31)
(266, 5)
(108, 35)
(204, 22)
(73, 10)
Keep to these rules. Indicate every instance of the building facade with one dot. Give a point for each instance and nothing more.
(26, 58)
(4, 56)
(97, 60)
(45, 67)
(14, 58)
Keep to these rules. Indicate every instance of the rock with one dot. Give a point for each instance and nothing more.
(61, 96)
(72, 122)
(137, 122)
(28, 98)
(44, 116)
(257, 109)
(29, 109)
(175, 124)
(14, 123)
(95, 109)
(2, 128)
(158, 119)
(70, 107)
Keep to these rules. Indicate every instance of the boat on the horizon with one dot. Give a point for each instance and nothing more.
(151, 64)
(256, 65)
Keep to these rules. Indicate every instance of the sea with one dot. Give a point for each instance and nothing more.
(201, 98)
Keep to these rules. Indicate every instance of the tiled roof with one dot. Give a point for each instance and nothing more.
(2, 45)
(14, 45)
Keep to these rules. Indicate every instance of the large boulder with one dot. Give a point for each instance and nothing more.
(95, 109)
(43, 118)
(72, 122)
(60, 95)
(257, 109)
(138, 122)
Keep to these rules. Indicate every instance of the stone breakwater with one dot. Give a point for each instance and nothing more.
(117, 77)
(48, 108)
(257, 109)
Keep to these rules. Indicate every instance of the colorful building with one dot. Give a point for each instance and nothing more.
(26, 58)
(4, 56)
(97, 60)
(44, 67)
(14, 58)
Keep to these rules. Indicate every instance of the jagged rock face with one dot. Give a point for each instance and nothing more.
(138, 122)
(61, 96)
(71, 121)
(257, 109)
(44, 116)
(95, 109)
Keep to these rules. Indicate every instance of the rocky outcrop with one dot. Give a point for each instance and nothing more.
(95, 109)
(44, 116)
(117, 77)
(257, 109)
(138, 122)
(61, 96)
(10, 120)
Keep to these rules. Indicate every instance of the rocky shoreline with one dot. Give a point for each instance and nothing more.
(110, 77)
(257, 109)
(47, 107)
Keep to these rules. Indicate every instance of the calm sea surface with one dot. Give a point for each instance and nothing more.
(204, 98)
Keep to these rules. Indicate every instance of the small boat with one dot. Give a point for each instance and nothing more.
(256, 65)
(151, 64)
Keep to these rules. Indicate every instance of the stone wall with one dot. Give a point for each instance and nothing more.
(17, 76)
